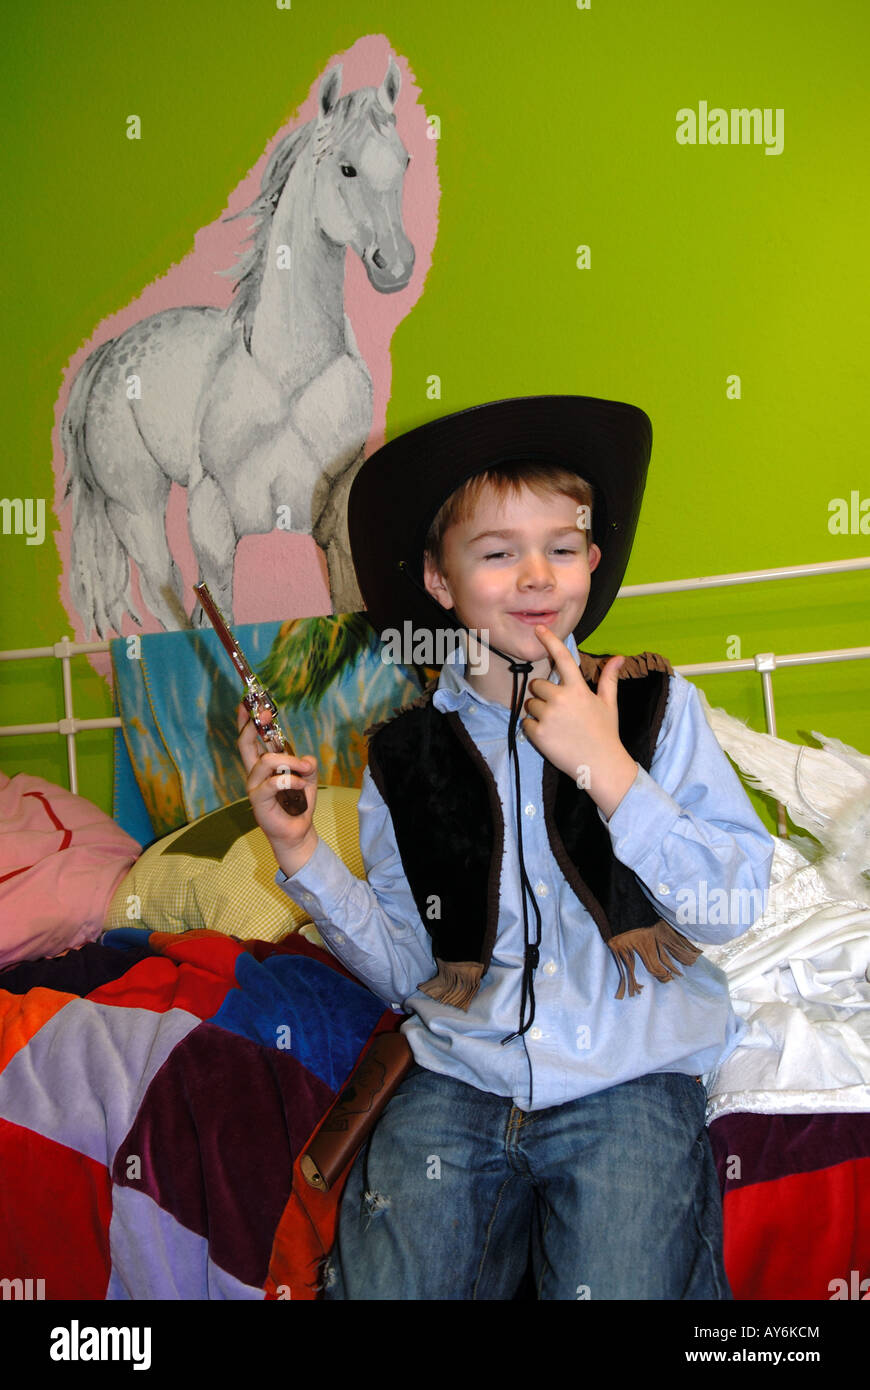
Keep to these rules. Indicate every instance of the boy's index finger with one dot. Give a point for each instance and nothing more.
(569, 671)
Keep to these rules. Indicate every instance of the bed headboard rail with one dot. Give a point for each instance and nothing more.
(68, 726)
(765, 663)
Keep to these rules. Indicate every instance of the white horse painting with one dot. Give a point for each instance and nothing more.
(261, 410)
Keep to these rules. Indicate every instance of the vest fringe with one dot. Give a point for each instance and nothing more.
(456, 983)
(652, 945)
(592, 666)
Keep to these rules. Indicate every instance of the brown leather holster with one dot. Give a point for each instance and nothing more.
(355, 1111)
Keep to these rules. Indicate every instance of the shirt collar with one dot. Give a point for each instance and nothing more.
(454, 691)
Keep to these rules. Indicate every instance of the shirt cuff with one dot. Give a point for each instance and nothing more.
(320, 885)
(644, 816)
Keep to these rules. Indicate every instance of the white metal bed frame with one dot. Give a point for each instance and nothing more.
(765, 663)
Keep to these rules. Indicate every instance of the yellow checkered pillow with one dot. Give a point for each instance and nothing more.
(219, 873)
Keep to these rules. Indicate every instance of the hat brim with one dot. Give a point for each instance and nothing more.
(400, 488)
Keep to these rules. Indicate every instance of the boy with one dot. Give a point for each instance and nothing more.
(525, 829)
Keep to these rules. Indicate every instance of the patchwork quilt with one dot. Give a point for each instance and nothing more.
(156, 1092)
(796, 1204)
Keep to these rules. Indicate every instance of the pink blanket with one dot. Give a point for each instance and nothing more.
(61, 859)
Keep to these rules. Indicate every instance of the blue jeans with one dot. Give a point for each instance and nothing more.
(613, 1196)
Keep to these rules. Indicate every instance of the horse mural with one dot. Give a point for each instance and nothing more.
(261, 410)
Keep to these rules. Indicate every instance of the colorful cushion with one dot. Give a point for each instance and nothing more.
(219, 872)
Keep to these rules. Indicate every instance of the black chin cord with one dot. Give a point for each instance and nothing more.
(531, 949)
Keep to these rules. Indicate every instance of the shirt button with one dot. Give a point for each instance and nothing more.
(535, 1033)
(308, 897)
(541, 889)
(663, 889)
(521, 738)
(339, 938)
(550, 968)
(530, 810)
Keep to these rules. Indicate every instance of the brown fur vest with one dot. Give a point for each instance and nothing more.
(449, 827)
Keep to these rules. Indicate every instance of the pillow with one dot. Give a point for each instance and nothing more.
(61, 859)
(219, 873)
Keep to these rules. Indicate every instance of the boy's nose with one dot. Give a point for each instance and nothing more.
(535, 569)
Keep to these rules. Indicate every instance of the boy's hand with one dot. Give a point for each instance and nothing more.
(576, 729)
(293, 838)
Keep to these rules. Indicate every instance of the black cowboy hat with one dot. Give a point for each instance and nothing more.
(400, 488)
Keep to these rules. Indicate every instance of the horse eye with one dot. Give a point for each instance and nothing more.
(348, 171)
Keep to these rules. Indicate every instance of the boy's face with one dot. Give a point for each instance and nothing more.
(516, 562)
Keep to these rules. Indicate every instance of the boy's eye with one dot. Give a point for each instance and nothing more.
(557, 550)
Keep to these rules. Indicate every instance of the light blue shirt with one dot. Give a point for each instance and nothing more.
(686, 828)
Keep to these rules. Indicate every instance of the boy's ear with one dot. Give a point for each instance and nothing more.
(594, 557)
(435, 582)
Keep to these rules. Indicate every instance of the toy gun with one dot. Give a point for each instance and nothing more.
(255, 699)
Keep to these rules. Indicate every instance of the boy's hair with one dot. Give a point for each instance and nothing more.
(545, 479)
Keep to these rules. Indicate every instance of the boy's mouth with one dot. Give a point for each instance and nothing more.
(535, 616)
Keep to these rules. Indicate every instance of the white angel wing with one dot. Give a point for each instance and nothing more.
(825, 790)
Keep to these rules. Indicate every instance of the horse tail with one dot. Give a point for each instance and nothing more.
(99, 566)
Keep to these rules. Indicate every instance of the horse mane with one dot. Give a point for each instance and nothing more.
(249, 270)
(350, 110)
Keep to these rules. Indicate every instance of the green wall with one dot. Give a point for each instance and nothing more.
(558, 129)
